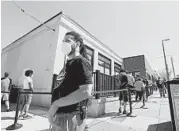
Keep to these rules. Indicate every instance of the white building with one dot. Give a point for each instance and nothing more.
(39, 50)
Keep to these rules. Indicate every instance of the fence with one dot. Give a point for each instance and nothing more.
(103, 82)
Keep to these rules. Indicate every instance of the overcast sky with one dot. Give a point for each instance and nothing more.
(128, 28)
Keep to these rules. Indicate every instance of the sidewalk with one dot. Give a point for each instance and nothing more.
(146, 120)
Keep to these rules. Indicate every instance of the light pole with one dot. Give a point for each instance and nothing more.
(166, 66)
(173, 67)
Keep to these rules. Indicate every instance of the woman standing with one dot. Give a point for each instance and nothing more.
(68, 113)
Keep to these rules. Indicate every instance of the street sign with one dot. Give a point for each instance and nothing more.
(173, 95)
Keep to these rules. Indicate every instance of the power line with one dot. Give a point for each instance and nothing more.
(32, 16)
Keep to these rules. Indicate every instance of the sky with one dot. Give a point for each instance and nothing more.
(128, 28)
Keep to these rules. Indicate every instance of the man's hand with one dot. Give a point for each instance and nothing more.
(51, 115)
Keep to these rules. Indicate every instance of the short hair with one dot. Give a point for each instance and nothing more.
(28, 72)
(6, 74)
(122, 70)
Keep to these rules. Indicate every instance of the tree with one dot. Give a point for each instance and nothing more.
(162, 74)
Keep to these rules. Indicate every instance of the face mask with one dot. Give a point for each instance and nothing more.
(66, 48)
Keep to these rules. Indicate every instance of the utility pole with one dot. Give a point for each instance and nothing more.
(173, 67)
(166, 66)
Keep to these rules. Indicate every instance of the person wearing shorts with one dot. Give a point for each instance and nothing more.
(123, 95)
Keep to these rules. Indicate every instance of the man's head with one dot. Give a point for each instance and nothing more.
(122, 71)
(6, 74)
(72, 43)
(29, 73)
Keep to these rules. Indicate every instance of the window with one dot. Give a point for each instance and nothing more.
(117, 68)
(104, 64)
(90, 54)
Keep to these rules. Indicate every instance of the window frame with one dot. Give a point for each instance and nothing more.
(106, 61)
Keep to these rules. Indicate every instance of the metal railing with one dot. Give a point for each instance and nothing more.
(103, 82)
(16, 125)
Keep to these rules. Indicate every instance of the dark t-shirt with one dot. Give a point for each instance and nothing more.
(159, 84)
(78, 72)
(124, 81)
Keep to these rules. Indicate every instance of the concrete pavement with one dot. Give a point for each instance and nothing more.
(155, 118)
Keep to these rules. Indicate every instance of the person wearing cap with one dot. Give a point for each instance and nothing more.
(5, 86)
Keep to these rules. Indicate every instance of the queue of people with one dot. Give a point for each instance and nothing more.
(71, 94)
(142, 87)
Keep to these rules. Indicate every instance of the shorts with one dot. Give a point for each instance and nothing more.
(123, 95)
(69, 122)
(5, 96)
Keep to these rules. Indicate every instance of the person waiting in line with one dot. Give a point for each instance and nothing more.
(131, 82)
(140, 88)
(146, 83)
(150, 87)
(68, 112)
(123, 95)
(160, 85)
(26, 84)
(5, 86)
(155, 86)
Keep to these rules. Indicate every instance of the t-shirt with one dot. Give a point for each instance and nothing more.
(121, 79)
(131, 79)
(159, 84)
(78, 72)
(24, 82)
(5, 84)
(139, 85)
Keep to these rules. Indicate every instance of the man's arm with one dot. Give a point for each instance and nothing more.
(30, 85)
(84, 92)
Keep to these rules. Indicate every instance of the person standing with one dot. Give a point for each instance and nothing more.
(150, 87)
(68, 113)
(140, 88)
(146, 83)
(26, 84)
(123, 95)
(160, 85)
(5, 86)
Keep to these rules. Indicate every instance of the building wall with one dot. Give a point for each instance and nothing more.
(139, 63)
(34, 51)
(135, 64)
(148, 67)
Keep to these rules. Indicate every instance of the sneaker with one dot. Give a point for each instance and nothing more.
(20, 117)
(87, 128)
(125, 112)
(8, 110)
(120, 110)
(26, 116)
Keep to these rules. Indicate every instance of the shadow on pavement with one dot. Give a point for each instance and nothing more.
(110, 114)
(43, 130)
(7, 118)
(166, 126)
